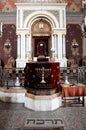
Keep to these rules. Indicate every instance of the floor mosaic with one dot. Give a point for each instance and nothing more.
(12, 116)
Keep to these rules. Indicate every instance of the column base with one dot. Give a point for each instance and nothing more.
(12, 95)
(63, 62)
(20, 63)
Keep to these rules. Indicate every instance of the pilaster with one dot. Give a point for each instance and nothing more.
(18, 46)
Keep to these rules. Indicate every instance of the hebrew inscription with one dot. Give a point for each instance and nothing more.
(45, 123)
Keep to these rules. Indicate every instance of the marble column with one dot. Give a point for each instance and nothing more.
(53, 47)
(52, 42)
(18, 46)
(56, 42)
(30, 48)
(64, 59)
(63, 46)
(23, 46)
(27, 46)
(59, 46)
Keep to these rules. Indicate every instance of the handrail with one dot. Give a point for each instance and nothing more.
(8, 76)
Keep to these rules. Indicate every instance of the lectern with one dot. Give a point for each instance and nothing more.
(42, 81)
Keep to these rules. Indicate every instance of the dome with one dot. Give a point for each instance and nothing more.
(41, 1)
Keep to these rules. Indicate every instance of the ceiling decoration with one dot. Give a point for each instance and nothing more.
(74, 5)
(9, 5)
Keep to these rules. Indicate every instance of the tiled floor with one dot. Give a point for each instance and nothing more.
(13, 116)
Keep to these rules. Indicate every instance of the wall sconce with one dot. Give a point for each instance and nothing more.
(7, 46)
(75, 45)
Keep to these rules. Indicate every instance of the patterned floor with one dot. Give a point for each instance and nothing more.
(12, 116)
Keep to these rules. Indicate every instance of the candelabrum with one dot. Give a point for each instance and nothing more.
(17, 83)
(66, 80)
(53, 52)
(43, 73)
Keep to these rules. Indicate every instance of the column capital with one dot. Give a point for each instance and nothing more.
(55, 34)
(63, 34)
(18, 35)
(27, 35)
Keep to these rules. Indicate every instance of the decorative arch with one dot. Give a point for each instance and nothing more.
(37, 15)
(27, 15)
(48, 17)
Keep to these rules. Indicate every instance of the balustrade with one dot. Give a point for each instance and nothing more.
(8, 76)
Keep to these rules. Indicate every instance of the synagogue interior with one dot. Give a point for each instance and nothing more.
(42, 64)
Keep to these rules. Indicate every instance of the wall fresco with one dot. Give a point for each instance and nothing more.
(8, 37)
(9, 5)
(74, 5)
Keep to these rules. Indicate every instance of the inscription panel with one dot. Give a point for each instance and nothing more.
(42, 124)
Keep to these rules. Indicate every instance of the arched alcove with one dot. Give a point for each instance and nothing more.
(41, 38)
(50, 36)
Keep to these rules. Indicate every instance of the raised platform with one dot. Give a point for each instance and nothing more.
(13, 94)
(43, 102)
(31, 101)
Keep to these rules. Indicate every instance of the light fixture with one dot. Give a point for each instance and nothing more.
(75, 44)
(7, 46)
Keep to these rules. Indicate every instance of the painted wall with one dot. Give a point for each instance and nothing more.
(9, 5)
(9, 34)
(8, 16)
(74, 35)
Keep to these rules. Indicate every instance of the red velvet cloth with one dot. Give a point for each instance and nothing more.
(33, 75)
